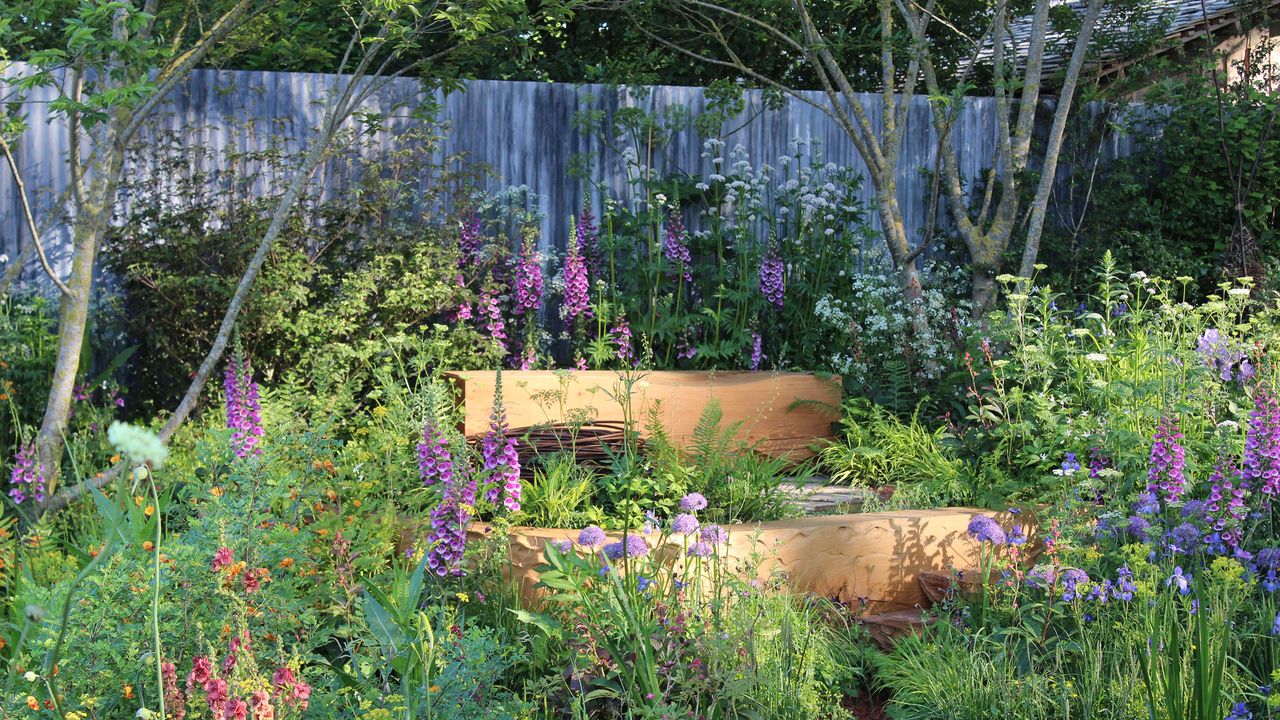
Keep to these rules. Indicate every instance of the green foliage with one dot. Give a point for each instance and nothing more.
(310, 318)
(879, 449)
(1170, 208)
(709, 643)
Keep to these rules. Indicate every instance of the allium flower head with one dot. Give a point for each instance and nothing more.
(713, 534)
(634, 546)
(984, 528)
(592, 537)
(701, 549)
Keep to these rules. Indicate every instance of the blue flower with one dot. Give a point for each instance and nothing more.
(1179, 581)
(1070, 464)
(591, 536)
(1070, 580)
(643, 583)
(1275, 626)
(1147, 504)
(1124, 584)
(1240, 711)
(1183, 539)
(985, 529)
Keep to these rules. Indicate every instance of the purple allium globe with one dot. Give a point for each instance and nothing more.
(592, 537)
(693, 502)
(984, 528)
(684, 524)
(563, 546)
(633, 546)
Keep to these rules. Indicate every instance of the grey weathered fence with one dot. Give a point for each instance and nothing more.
(523, 132)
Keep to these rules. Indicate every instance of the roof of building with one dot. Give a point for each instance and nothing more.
(1179, 21)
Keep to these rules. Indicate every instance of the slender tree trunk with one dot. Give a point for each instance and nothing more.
(899, 246)
(74, 316)
(1040, 203)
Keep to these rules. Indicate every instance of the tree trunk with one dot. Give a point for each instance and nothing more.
(74, 315)
(1040, 203)
(899, 246)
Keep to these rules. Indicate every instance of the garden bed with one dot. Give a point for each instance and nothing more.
(870, 561)
(782, 414)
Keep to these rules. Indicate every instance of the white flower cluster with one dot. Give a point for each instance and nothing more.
(878, 322)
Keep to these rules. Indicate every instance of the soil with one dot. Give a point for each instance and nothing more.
(868, 706)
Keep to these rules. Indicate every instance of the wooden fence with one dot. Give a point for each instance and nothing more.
(524, 133)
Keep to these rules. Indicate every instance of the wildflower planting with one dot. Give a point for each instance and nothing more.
(357, 427)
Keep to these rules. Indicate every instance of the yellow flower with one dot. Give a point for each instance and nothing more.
(463, 597)
(434, 688)
(149, 510)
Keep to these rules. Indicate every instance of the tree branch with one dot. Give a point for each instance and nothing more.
(31, 221)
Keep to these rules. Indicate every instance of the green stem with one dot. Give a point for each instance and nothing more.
(155, 600)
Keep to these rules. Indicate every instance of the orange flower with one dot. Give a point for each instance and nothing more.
(286, 563)
(148, 546)
(128, 692)
(216, 491)
(329, 493)
(137, 500)
(318, 507)
(357, 503)
(93, 552)
(33, 703)
(115, 459)
(149, 510)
